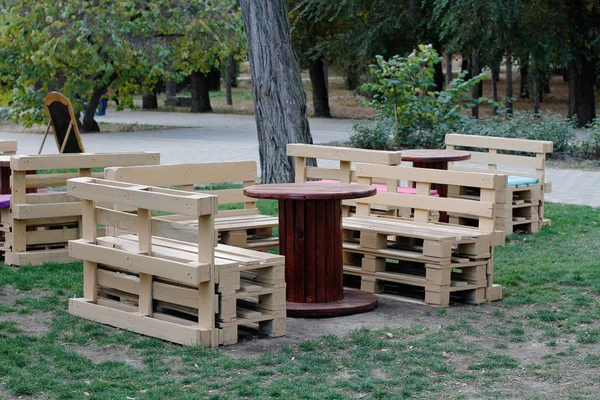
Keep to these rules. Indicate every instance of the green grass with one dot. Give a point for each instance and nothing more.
(546, 333)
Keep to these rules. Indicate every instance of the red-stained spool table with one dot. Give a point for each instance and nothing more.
(5, 174)
(310, 237)
(435, 159)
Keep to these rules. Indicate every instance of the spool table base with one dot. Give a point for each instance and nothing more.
(354, 302)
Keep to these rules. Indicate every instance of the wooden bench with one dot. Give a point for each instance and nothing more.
(147, 282)
(521, 208)
(8, 147)
(344, 160)
(435, 262)
(237, 227)
(37, 226)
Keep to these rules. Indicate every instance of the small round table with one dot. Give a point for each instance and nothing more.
(310, 237)
(435, 159)
(5, 174)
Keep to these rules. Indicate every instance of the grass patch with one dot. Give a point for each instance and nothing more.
(546, 328)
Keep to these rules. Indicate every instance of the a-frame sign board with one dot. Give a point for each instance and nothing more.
(63, 123)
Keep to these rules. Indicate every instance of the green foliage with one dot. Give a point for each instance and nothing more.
(77, 47)
(374, 136)
(524, 125)
(403, 90)
(590, 148)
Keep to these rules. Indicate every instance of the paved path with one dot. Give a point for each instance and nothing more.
(229, 137)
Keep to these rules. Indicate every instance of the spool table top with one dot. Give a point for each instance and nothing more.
(434, 155)
(307, 191)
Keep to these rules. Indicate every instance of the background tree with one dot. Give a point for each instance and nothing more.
(83, 48)
(279, 97)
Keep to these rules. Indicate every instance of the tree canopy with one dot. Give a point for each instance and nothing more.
(84, 47)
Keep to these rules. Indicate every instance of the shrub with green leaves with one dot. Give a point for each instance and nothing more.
(525, 125)
(403, 89)
(373, 136)
(590, 148)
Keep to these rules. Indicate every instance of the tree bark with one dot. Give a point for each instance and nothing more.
(214, 80)
(89, 124)
(448, 68)
(475, 70)
(279, 98)
(509, 86)
(352, 77)
(524, 71)
(582, 103)
(228, 79)
(149, 100)
(438, 76)
(495, 79)
(200, 96)
(319, 88)
(464, 66)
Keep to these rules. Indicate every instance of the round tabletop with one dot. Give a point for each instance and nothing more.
(308, 191)
(434, 155)
(4, 161)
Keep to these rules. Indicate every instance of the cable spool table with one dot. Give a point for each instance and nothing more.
(310, 237)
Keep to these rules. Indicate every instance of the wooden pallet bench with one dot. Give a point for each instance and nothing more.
(181, 291)
(37, 226)
(8, 147)
(237, 227)
(520, 206)
(343, 170)
(437, 262)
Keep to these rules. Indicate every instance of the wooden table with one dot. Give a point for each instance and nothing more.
(5, 174)
(435, 159)
(310, 237)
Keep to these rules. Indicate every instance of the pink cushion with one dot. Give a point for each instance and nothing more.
(4, 200)
(380, 187)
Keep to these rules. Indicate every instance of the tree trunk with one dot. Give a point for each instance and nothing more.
(214, 80)
(495, 79)
(279, 98)
(582, 103)
(509, 86)
(524, 70)
(438, 76)
(149, 100)
(89, 123)
(448, 68)
(537, 95)
(352, 77)
(319, 88)
(475, 70)
(171, 89)
(200, 97)
(228, 79)
(464, 66)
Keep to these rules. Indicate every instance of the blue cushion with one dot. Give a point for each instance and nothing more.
(520, 180)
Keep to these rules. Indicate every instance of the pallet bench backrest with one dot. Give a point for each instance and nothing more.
(62, 167)
(490, 153)
(188, 176)
(140, 256)
(8, 147)
(423, 202)
(346, 157)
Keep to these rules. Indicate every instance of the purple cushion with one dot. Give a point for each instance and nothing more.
(4, 200)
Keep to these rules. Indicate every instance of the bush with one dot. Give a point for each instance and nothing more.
(374, 136)
(525, 125)
(403, 90)
(590, 148)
